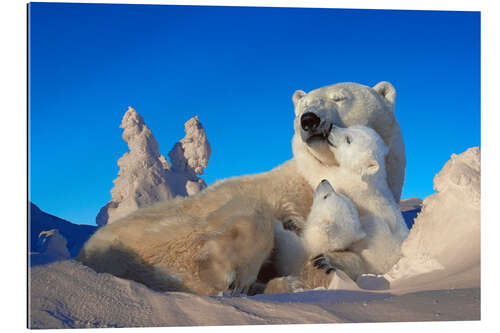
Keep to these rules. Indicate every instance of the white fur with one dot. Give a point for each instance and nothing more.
(333, 223)
(289, 249)
(347, 104)
(361, 176)
(344, 104)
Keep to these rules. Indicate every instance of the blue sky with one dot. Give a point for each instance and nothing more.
(236, 68)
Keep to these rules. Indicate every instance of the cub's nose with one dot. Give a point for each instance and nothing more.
(309, 121)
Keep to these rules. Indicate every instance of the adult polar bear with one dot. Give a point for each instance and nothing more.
(218, 239)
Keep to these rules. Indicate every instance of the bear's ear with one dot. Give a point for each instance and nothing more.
(386, 90)
(323, 189)
(297, 96)
(370, 169)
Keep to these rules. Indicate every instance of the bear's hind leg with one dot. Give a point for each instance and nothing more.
(232, 256)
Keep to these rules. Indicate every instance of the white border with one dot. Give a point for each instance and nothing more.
(13, 165)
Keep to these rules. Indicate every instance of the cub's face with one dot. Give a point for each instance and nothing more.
(343, 105)
(324, 206)
(358, 148)
(334, 216)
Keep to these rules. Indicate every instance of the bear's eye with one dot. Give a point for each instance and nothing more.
(338, 98)
(326, 196)
(348, 139)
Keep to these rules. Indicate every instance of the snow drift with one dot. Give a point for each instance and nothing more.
(446, 234)
(67, 294)
(40, 239)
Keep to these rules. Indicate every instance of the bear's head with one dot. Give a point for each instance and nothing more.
(333, 222)
(359, 150)
(344, 105)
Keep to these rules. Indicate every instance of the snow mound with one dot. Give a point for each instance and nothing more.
(146, 177)
(53, 244)
(67, 294)
(40, 223)
(446, 234)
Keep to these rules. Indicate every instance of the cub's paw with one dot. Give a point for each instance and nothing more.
(284, 284)
(324, 262)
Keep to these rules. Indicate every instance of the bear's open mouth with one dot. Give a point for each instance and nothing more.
(320, 136)
(316, 137)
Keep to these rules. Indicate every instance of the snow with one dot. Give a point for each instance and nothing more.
(446, 234)
(66, 294)
(189, 159)
(192, 153)
(146, 177)
(437, 279)
(53, 244)
(40, 223)
(410, 208)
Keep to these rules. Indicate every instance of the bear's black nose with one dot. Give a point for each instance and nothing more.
(309, 121)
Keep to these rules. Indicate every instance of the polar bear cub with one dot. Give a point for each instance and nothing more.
(333, 223)
(332, 226)
(361, 176)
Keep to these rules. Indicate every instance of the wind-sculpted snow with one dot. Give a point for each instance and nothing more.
(146, 177)
(192, 153)
(446, 233)
(42, 233)
(189, 158)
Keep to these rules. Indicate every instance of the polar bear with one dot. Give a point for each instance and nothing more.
(372, 232)
(221, 252)
(286, 191)
(344, 105)
(362, 176)
(333, 223)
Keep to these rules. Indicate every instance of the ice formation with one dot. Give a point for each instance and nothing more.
(146, 177)
(446, 233)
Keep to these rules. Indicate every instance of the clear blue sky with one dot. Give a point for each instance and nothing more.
(236, 68)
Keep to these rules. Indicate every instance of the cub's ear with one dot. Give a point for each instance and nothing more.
(371, 168)
(297, 96)
(386, 90)
(324, 188)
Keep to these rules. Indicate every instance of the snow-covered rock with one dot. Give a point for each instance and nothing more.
(145, 175)
(446, 233)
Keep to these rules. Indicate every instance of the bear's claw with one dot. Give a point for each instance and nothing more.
(322, 261)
